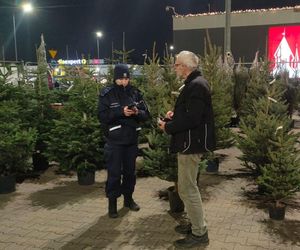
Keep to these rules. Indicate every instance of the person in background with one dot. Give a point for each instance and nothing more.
(121, 110)
(191, 126)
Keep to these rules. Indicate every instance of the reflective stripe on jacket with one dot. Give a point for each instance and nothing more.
(192, 126)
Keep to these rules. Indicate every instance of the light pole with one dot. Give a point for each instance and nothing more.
(27, 8)
(227, 30)
(98, 35)
(171, 49)
(15, 37)
(171, 53)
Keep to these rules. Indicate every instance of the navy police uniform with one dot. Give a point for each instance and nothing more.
(121, 133)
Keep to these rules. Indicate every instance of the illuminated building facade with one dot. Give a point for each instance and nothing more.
(275, 33)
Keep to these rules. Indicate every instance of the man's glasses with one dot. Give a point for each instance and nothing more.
(177, 64)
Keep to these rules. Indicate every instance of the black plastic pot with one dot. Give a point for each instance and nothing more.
(39, 162)
(234, 122)
(277, 212)
(213, 165)
(86, 178)
(176, 204)
(7, 184)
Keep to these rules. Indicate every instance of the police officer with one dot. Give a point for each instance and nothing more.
(121, 109)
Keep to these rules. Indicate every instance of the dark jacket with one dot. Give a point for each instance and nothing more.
(192, 126)
(118, 128)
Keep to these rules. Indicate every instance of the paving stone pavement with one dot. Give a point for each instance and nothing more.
(54, 212)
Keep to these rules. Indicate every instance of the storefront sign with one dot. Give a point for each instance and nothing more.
(80, 62)
(72, 62)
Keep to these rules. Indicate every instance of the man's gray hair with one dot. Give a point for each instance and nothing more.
(189, 59)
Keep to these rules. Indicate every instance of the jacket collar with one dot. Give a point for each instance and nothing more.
(121, 87)
(192, 76)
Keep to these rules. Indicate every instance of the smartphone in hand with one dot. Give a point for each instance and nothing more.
(165, 119)
(131, 106)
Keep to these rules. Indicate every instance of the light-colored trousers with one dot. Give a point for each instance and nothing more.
(189, 192)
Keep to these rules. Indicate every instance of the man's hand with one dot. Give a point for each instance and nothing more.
(161, 124)
(169, 115)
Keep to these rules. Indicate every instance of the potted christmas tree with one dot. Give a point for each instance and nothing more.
(160, 93)
(76, 142)
(42, 113)
(219, 76)
(158, 162)
(16, 145)
(281, 177)
(18, 136)
(267, 145)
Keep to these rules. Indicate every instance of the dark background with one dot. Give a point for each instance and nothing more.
(74, 23)
(245, 41)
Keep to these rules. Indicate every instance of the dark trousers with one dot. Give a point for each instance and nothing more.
(120, 163)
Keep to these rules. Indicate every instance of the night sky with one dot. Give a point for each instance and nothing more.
(73, 23)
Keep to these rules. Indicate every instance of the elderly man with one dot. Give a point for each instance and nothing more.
(191, 126)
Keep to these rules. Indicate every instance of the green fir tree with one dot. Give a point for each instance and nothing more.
(241, 79)
(76, 141)
(161, 90)
(17, 140)
(221, 85)
(258, 127)
(281, 177)
(262, 85)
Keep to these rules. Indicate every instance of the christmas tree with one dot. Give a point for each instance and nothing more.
(281, 177)
(76, 141)
(261, 117)
(261, 85)
(241, 79)
(17, 138)
(220, 80)
(161, 89)
(253, 140)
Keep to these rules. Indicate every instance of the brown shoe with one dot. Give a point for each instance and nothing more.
(192, 240)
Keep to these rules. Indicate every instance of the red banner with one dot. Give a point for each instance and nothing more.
(284, 45)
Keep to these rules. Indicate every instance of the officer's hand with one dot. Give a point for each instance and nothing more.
(136, 111)
(128, 112)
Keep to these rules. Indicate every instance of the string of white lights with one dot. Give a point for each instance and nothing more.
(238, 11)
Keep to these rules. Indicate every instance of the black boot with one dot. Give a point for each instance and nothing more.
(130, 203)
(112, 208)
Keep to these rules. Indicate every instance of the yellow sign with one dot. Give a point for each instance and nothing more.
(52, 53)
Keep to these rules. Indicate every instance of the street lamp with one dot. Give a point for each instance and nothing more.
(171, 50)
(98, 35)
(27, 8)
(171, 8)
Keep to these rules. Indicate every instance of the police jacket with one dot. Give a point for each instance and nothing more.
(118, 128)
(192, 125)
